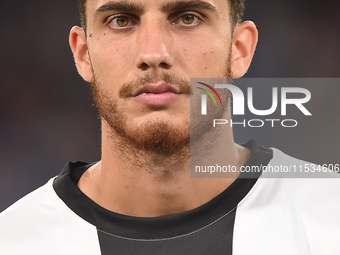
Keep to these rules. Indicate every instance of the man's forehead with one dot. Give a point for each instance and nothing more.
(162, 5)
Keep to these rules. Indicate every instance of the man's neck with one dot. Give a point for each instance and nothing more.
(149, 185)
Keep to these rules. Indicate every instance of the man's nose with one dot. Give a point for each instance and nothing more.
(154, 46)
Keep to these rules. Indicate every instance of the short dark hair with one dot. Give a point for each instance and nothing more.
(236, 11)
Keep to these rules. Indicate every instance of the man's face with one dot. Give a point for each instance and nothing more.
(143, 54)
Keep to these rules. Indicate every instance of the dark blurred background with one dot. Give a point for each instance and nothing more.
(47, 117)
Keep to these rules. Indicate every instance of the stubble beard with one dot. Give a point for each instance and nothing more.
(156, 140)
(158, 136)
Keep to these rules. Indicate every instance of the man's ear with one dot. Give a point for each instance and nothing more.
(80, 52)
(244, 43)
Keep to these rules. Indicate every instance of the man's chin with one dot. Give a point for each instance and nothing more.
(159, 136)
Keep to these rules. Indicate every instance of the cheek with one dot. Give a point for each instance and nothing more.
(112, 61)
(118, 58)
(203, 59)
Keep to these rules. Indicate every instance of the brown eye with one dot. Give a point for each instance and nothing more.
(188, 19)
(122, 21)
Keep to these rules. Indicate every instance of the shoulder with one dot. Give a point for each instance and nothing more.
(286, 166)
(301, 183)
(40, 223)
(29, 207)
(297, 212)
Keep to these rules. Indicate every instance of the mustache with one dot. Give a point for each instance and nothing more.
(129, 87)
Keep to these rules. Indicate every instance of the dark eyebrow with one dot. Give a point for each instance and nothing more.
(183, 5)
(124, 6)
